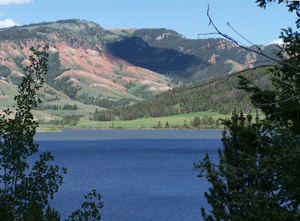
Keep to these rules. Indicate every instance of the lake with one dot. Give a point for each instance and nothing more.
(140, 174)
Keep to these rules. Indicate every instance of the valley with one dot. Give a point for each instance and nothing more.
(97, 74)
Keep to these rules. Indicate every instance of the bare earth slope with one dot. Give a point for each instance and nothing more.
(80, 69)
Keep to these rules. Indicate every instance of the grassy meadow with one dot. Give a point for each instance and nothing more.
(175, 121)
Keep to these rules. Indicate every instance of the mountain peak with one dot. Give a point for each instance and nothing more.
(73, 22)
(151, 34)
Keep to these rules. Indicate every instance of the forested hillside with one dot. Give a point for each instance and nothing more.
(166, 61)
(202, 58)
(92, 67)
(221, 96)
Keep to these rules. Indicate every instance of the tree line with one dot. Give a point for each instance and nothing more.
(221, 97)
(56, 107)
(204, 123)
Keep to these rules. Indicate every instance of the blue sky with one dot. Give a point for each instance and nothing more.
(186, 17)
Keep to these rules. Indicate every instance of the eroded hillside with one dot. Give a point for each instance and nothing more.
(80, 69)
(94, 68)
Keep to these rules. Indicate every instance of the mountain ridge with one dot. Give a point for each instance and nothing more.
(84, 70)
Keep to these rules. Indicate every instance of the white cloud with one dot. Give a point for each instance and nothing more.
(15, 2)
(277, 41)
(7, 23)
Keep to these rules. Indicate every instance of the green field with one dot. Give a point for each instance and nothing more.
(146, 123)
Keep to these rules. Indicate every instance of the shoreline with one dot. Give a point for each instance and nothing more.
(42, 130)
(95, 134)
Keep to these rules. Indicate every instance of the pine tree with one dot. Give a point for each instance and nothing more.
(205, 120)
(167, 125)
(159, 124)
(236, 191)
(211, 120)
(184, 123)
(197, 121)
(218, 123)
(258, 176)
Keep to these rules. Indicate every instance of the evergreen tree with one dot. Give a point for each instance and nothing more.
(167, 125)
(205, 120)
(211, 121)
(231, 195)
(258, 176)
(159, 124)
(218, 123)
(197, 121)
(184, 123)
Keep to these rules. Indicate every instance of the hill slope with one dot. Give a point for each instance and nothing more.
(220, 96)
(188, 60)
(92, 67)
(80, 69)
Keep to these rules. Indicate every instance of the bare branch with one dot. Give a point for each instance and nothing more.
(258, 48)
(226, 77)
(212, 33)
(279, 102)
(246, 48)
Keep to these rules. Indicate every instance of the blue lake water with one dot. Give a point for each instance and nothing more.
(140, 174)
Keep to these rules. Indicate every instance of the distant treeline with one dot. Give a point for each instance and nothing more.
(86, 37)
(220, 96)
(206, 122)
(69, 120)
(56, 107)
(103, 102)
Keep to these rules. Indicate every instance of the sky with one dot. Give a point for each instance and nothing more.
(189, 18)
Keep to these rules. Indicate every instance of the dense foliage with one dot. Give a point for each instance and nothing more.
(103, 102)
(24, 195)
(14, 34)
(88, 34)
(258, 176)
(4, 71)
(25, 189)
(220, 96)
(63, 84)
(55, 68)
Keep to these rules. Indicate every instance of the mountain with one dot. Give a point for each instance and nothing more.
(95, 68)
(166, 61)
(81, 71)
(169, 53)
